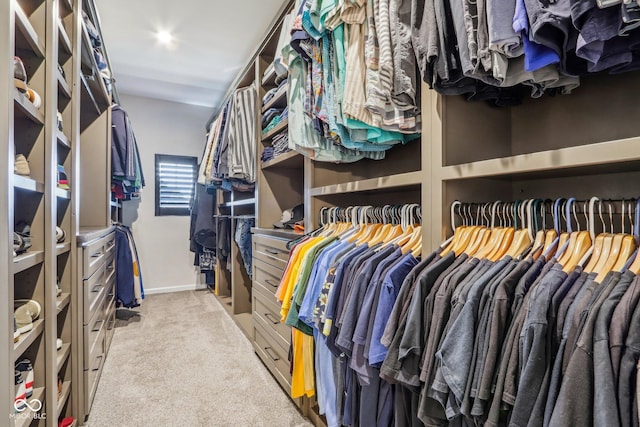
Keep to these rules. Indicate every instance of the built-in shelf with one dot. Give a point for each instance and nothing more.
(62, 139)
(65, 42)
(276, 130)
(63, 87)
(27, 339)
(278, 100)
(409, 179)
(62, 355)
(27, 416)
(62, 301)
(289, 160)
(64, 394)
(243, 202)
(597, 156)
(26, 108)
(270, 77)
(115, 204)
(61, 193)
(88, 115)
(66, 4)
(63, 248)
(95, 83)
(27, 260)
(26, 36)
(27, 184)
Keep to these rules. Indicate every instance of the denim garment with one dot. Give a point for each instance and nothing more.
(243, 239)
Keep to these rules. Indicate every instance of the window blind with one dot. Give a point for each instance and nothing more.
(175, 178)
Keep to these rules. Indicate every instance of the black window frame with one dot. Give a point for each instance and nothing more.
(188, 160)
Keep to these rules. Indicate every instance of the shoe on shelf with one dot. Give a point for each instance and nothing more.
(58, 344)
(26, 312)
(20, 401)
(66, 422)
(59, 116)
(63, 182)
(21, 238)
(59, 387)
(60, 235)
(19, 75)
(34, 97)
(21, 166)
(26, 369)
(58, 288)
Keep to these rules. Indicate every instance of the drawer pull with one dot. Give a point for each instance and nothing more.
(271, 318)
(273, 252)
(96, 288)
(97, 326)
(98, 368)
(268, 351)
(96, 255)
(271, 283)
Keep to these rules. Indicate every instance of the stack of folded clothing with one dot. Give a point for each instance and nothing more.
(275, 119)
(272, 92)
(281, 144)
(267, 154)
(269, 115)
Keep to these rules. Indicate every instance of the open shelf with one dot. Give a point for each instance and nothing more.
(243, 202)
(63, 248)
(26, 36)
(62, 355)
(64, 395)
(27, 339)
(276, 130)
(408, 179)
(63, 194)
(27, 260)
(95, 83)
(62, 301)
(65, 42)
(597, 156)
(27, 416)
(278, 100)
(62, 139)
(115, 204)
(27, 109)
(63, 87)
(27, 184)
(289, 160)
(67, 6)
(92, 111)
(269, 78)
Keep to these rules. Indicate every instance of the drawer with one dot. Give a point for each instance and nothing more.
(266, 275)
(268, 312)
(94, 292)
(91, 377)
(274, 357)
(93, 257)
(93, 333)
(110, 285)
(110, 325)
(271, 250)
(110, 244)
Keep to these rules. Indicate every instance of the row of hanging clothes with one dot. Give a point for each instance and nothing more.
(128, 275)
(526, 316)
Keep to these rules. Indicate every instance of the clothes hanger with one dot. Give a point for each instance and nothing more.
(634, 267)
(598, 245)
(552, 239)
(628, 243)
(507, 233)
(582, 244)
(523, 237)
(494, 233)
(482, 235)
(616, 251)
(607, 245)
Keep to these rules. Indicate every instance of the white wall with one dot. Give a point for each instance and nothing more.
(163, 127)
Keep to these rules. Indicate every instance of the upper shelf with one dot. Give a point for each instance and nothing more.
(66, 7)
(28, 184)
(269, 78)
(27, 260)
(27, 109)
(27, 37)
(581, 158)
(278, 100)
(62, 139)
(276, 130)
(64, 42)
(289, 160)
(92, 72)
(409, 179)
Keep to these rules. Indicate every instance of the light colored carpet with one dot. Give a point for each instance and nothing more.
(184, 362)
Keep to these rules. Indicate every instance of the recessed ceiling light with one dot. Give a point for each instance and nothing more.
(164, 37)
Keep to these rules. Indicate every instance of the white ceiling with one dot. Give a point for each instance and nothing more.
(213, 41)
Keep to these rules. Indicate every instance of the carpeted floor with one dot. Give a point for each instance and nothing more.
(184, 362)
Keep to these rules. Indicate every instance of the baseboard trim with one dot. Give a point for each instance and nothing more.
(170, 289)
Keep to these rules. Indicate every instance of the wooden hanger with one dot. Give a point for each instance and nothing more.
(628, 241)
(522, 238)
(495, 234)
(607, 246)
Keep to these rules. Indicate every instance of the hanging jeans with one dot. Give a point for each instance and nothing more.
(243, 240)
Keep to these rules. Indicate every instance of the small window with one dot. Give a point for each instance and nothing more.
(175, 179)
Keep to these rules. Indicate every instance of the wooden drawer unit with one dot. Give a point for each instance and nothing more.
(273, 356)
(267, 311)
(266, 275)
(271, 250)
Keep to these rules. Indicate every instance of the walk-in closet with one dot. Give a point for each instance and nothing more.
(320, 213)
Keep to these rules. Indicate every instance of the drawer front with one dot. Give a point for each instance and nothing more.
(266, 275)
(271, 250)
(110, 325)
(94, 291)
(93, 257)
(110, 244)
(269, 313)
(91, 377)
(274, 357)
(93, 333)
(110, 286)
